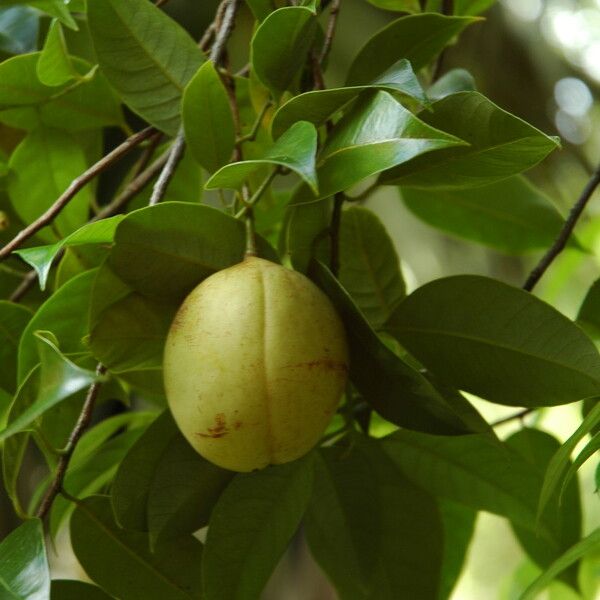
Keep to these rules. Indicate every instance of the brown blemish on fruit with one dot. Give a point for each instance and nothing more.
(237, 425)
(326, 363)
(218, 430)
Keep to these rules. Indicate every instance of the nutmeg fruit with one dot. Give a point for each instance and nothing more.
(255, 364)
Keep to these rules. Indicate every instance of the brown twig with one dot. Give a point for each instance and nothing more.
(160, 3)
(26, 284)
(448, 7)
(75, 186)
(85, 417)
(448, 10)
(565, 233)
(334, 12)
(147, 154)
(334, 233)
(520, 415)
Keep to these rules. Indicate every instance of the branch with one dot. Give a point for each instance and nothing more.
(520, 415)
(75, 186)
(83, 421)
(334, 233)
(565, 233)
(26, 284)
(330, 33)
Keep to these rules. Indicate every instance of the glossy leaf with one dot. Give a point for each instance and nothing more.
(294, 150)
(280, 46)
(55, 67)
(369, 269)
(589, 312)
(251, 526)
(500, 145)
(70, 589)
(452, 82)
(394, 389)
(54, 8)
(417, 38)
(398, 5)
(26, 103)
(207, 119)
(512, 215)
(320, 105)
(41, 169)
(13, 320)
(18, 29)
(484, 337)
(120, 561)
(589, 450)
(42, 257)
(374, 533)
(24, 572)
(146, 56)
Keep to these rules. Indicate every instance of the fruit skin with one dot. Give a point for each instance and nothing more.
(255, 363)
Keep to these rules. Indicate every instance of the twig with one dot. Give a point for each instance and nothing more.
(249, 203)
(250, 137)
(317, 72)
(334, 12)
(565, 233)
(520, 415)
(26, 284)
(85, 417)
(448, 7)
(75, 186)
(334, 232)
(147, 154)
(207, 37)
(160, 3)
(448, 10)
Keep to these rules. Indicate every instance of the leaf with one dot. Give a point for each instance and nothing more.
(369, 269)
(54, 67)
(280, 46)
(511, 215)
(41, 168)
(146, 56)
(251, 526)
(167, 249)
(394, 389)
(472, 7)
(55, 8)
(121, 563)
(560, 462)
(42, 257)
(260, 8)
(65, 313)
(586, 546)
(207, 119)
(19, 27)
(294, 150)
(589, 312)
(26, 103)
(587, 452)
(500, 145)
(417, 38)
(562, 518)
(24, 573)
(497, 341)
(59, 379)
(399, 5)
(13, 320)
(319, 106)
(452, 82)
(67, 589)
(373, 532)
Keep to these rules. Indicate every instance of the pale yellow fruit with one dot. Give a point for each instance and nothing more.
(255, 364)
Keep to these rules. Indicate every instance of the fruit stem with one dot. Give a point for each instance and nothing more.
(249, 203)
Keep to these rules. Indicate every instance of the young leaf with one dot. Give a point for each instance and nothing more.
(280, 46)
(500, 145)
(24, 572)
(294, 150)
(452, 82)
(146, 56)
(70, 589)
(251, 526)
(55, 67)
(320, 105)
(511, 215)
(120, 561)
(374, 533)
(369, 269)
(207, 119)
(483, 336)
(418, 38)
(55, 8)
(13, 320)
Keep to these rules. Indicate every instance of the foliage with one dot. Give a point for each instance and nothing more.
(287, 164)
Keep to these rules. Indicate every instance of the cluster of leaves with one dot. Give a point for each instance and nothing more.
(385, 516)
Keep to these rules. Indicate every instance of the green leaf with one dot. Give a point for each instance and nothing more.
(121, 562)
(294, 150)
(396, 391)
(560, 462)
(26, 103)
(59, 379)
(511, 215)
(41, 168)
(57, 9)
(207, 119)
(146, 56)
(373, 532)
(398, 5)
(589, 312)
(500, 145)
(452, 82)
(251, 526)
(13, 320)
(563, 518)
(18, 30)
(280, 46)
(65, 313)
(55, 67)
(483, 336)
(319, 106)
(586, 546)
(587, 452)
(167, 249)
(418, 38)
(24, 573)
(42, 257)
(369, 269)
(68, 589)
(260, 8)
(471, 7)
